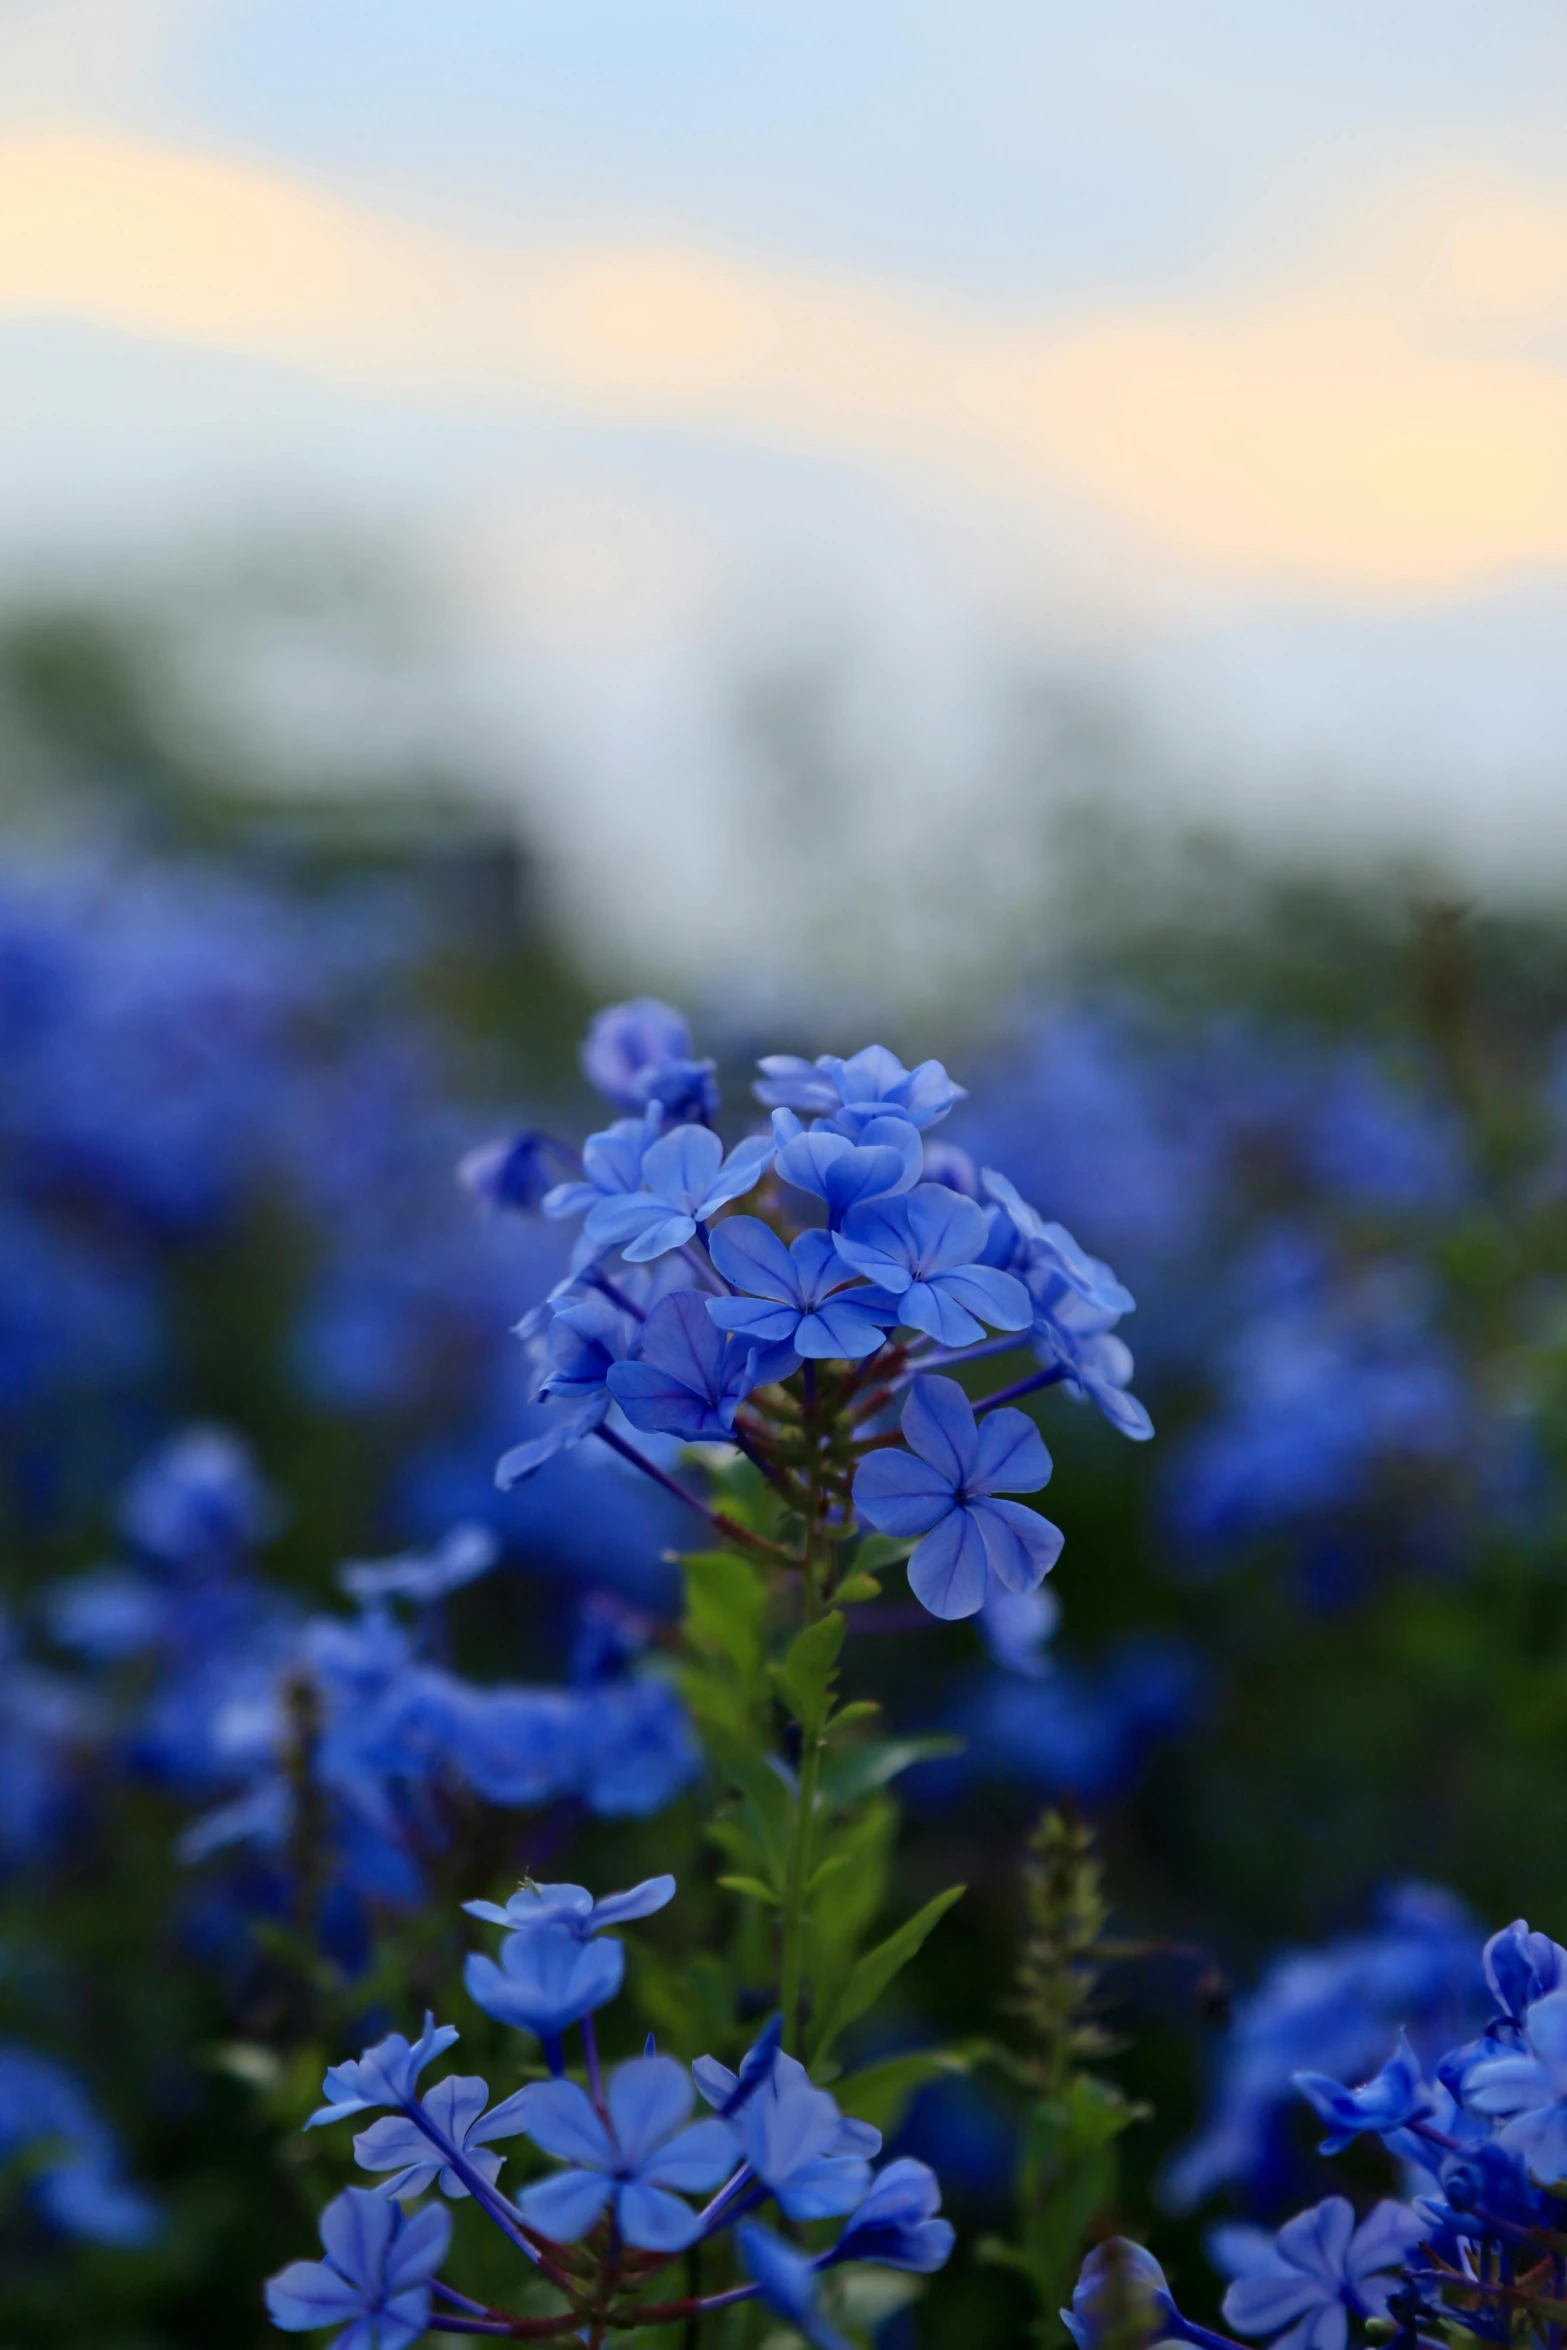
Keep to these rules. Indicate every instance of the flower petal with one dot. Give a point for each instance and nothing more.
(649, 2098)
(1011, 1455)
(695, 2161)
(938, 1421)
(948, 1573)
(900, 1495)
(655, 2221)
(1020, 1546)
(750, 1255)
(560, 2120)
(565, 2206)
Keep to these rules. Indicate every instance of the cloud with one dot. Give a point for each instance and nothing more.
(1386, 424)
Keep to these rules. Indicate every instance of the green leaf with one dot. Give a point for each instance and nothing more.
(752, 1888)
(880, 2093)
(768, 1803)
(870, 1975)
(856, 1588)
(847, 1777)
(806, 1676)
(726, 1601)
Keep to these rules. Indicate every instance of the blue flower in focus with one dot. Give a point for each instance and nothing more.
(640, 1052)
(850, 1093)
(1527, 2090)
(572, 1908)
(795, 1295)
(811, 2158)
(387, 2074)
(689, 1380)
(1121, 2297)
(944, 1491)
(888, 1157)
(924, 1247)
(638, 2161)
(1015, 1626)
(611, 1167)
(552, 1971)
(456, 2107)
(423, 1576)
(790, 2284)
(1391, 2100)
(1076, 1302)
(897, 2223)
(685, 1180)
(1320, 2271)
(375, 2279)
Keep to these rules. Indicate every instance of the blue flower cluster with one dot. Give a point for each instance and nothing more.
(66, 2154)
(240, 1701)
(866, 1259)
(629, 2159)
(1480, 2135)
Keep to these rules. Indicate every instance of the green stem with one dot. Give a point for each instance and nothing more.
(794, 1910)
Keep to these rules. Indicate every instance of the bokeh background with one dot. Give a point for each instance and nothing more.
(1037, 534)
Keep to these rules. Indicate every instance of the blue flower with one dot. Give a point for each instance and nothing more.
(640, 1052)
(511, 1172)
(552, 1971)
(943, 1491)
(888, 1157)
(1394, 2098)
(198, 1504)
(1320, 2271)
(375, 2279)
(1527, 2090)
(587, 1337)
(790, 2284)
(812, 2158)
(71, 2163)
(387, 2074)
(611, 1165)
(1121, 2297)
(423, 1576)
(851, 1093)
(897, 2223)
(794, 1295)
(572, 1908)
(689, 1379)
(638, 2161)
(685, 1180)
(456, 2107)
(924, 1248)
(1521, 1967)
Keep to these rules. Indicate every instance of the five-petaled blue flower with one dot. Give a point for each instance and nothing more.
(685, 1179)
(456, 2108)
(1319, 2272)
(944, 1491)
(923, 1248)
(375, 2279)
(813, 2159)
(638, 2158)
(689, 1379)
(850, 1093)
(796, 1296)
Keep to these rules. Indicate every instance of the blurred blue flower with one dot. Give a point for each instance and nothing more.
(73, 2172)
(810, 2157)
(790, 2284)
(897, 2223)
(424, 1576)
(547, 1979)
(640, 1052)
(1390, 2100)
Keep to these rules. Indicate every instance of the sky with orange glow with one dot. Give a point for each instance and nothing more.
(1215, 353)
